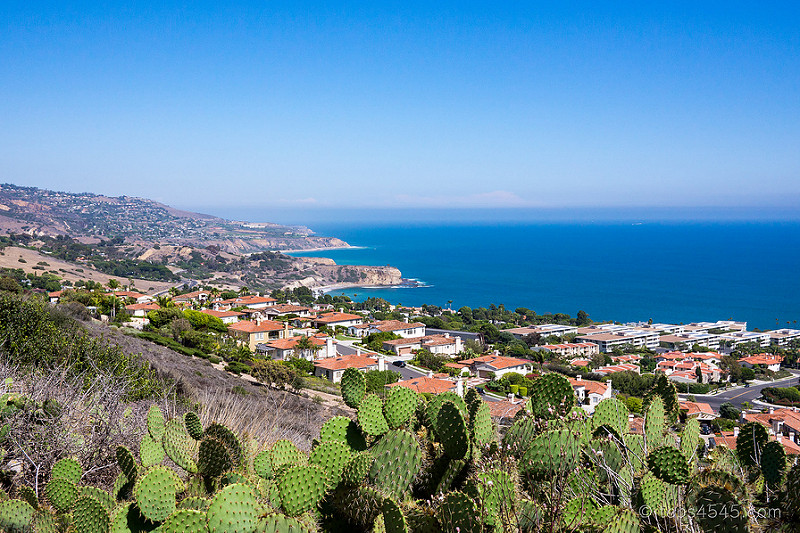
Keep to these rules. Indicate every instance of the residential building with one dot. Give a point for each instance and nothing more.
(661, 329)
(431, 385)
(782, 421)
(251, 302)
(407, 330)
(590, 393)
(687, 339)
(227, 317)
(610, 369)
(200, 296)
(610, 339)
(496, 365)
(718, 326)
(254, 332)
(275, 311)
(768, 361)
(544, 330)
(141, 309)
(137, 296)
(731, 340)
(336, 318)
(782, 337)
(285, 349)
(332, 368)
(438, 344)
(702, 411)
(573, 349)
(503, 411)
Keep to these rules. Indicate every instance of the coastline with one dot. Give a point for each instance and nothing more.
(303, 250)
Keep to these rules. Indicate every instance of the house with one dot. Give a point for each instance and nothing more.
(251, 302)
(610, 369)
(496, 365)
(192, 297)
(332, 368)
(768, 361)
(702, 411)
(782, 337)
(336, 318)
(274, 311)
(141, 309)
(54, 296)
(285, 349)
(661, 329)
(405, 330)
(728, 439)
(590, 393)
(439, 344)
(718, 326)
(781, 421)
(572, 349)
(254, 332)
(544, 330)
(136, 296)
(627, 358)
(227, 317)
(503, 411)
(431, 385)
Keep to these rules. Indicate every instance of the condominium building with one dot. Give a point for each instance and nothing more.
(608, 340)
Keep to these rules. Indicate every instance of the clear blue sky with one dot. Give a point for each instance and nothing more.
(410, 104)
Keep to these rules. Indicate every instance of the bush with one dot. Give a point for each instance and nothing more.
(514, 389)
(302, 365)
(378, 379)
(237, 368)
(213, 359)
(523, 391)
(781, 395)
(727, 410)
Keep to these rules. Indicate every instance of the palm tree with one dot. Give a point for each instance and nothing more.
(163, 301)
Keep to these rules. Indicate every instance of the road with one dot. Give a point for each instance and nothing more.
(407, 373)
(742, 394)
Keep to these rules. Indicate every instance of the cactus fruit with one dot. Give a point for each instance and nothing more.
(613, 413)
(185, 521)
(452, 430)
(150, 451)
(301, 488)
(773, 463)
(344, 430)
(457, 512)
(15, 515)
(177, 445)
(89, 516)
(284, 452)
(552, 396)
(332, 456)
(354, 387)
(750, 443)
(234, 509)
(155, 423)
(193, 425)
(669, 464)
(397, 459)
(213, 457)
(400, 406)
(370, 416)
(654, 424)
(68, 469)
(155, 492)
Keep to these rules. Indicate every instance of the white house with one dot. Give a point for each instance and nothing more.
(498, 365)
(336, 319)
(769, 361)
(590, 393)
(332, 368)
(438, 344)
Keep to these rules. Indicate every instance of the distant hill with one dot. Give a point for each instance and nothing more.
(91, 218)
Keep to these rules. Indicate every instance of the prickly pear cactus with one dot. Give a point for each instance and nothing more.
(401, 404)
(370, 416)
(185, 521)
(750, 443)
(452, 430)
(61, 494)
(612, 413)
(654, 424)
(213, 458)
(229, 439)
(480, 424)
(151, 451)
(234, 509)
(397, 460)
(344, 430)
(690, 439)
(155, 423)
(155, 493)
(301, 488)
(68, 469)
(89, 516)
(262, 464)
(554, 451)
(16, 515)
(178, 445)
(193, 425)
(278, 523)
(284, 452)
(457, 512)
(716, 509)
(432, 409)
(332, 457)
(357, 468)
(552, 397)
(354, 387)
(773, 464)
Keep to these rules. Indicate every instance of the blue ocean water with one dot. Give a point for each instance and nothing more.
(668, 271)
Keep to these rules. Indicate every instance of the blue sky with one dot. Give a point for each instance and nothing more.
(411, 105)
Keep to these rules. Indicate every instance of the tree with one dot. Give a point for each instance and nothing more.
(582, 318)
(113, 284)
(729, 411)
(378, 379)
(9, 285)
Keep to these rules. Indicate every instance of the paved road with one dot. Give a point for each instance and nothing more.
(407, 373)
(742, 394)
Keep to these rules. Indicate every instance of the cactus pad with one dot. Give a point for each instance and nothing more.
(354, 387)
(68, 469)
(578, 512)
(690, 438)
(452, 430)
(611, 412)
(127, 463)
(15, 515)
(193, 425)
(284, 452)
(654, 424)
(519, 436)
(185, 521)
(458, 512)
(155, 423)
(480, 423)
(393, 519)
(357, 469)
(100, 495)
(669, 464)
(556, 450)
(432, 409)
(234, 509)
(622, 521)
(229, 439)
(301, 488)
(332, 457)
(155, 492)
(552, 396)
(213, 457)
(401, 404)
(178, 446)
(195, 502)
(370, 416)
(89, 516)
(344, 430)
(278, 523)
(716, 509)
(750, 443)
(773, 463)
(397, 459)
(262, 464)
(151, 451)
(61, 494)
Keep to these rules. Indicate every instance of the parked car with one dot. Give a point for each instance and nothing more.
(399, 363)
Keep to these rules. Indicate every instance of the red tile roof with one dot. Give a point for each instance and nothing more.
(696, 408)
(396, 325)
(727, 439)
(291, 342)
(426, 385)
(498, 362)
(762, 359)
(504, 409)
(592, 387)
(220, 314)
(330, 318)
(346, 361)
(147, 306)
(248, 326)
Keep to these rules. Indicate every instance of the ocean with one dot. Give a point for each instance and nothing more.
(668, 271)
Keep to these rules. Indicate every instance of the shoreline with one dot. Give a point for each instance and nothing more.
(324, 289)
(296, 251)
